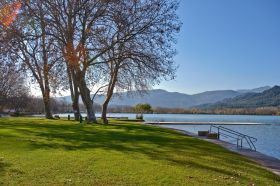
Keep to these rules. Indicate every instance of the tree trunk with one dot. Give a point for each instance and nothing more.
(76, 108)
(75, 100)
(110, 92)
(74, 93)
(85, 94)
(46, 69)
(47, 105)
(104, 110)
(106, 103)
(46, 99)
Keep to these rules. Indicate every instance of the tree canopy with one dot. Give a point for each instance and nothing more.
(143, 108)
(84, 45)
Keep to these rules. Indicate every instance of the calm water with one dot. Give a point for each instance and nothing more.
(196, 117)
(268, 135)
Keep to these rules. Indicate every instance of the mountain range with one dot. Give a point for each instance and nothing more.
(267, 98)
(163, 98)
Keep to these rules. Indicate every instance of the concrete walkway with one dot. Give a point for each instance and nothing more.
(268, 162)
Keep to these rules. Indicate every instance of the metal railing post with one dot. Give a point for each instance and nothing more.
(228, 133)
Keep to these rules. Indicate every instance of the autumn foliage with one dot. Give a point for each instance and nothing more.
(8, 13)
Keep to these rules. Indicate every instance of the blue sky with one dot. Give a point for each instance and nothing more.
(227, 44)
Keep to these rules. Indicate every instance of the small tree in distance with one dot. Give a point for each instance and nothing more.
(141, 109)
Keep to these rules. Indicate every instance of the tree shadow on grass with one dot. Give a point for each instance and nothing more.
(156, 143)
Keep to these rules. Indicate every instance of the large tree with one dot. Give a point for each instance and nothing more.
(75, 24)
(33, 49)
(132, 39)
(83, 26)
(147, 56)
(13, 87)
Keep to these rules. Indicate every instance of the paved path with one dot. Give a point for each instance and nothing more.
(268, 162)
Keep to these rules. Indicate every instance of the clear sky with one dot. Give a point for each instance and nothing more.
(227, 44)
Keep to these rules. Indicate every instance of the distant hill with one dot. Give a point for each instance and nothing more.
(163, 98)
(267, 98)
(157, 98)
(255, 90)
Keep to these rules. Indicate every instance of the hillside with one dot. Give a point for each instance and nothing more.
(163, 98)
(268, 98)
(255, 90)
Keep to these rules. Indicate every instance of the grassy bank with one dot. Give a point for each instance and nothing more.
(43, 152)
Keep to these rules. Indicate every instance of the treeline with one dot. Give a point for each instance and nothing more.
(30, 105)
(223, 111)
(85, 47)
(220, 111)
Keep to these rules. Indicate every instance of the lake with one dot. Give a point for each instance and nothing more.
(195, 117)
(267, 135)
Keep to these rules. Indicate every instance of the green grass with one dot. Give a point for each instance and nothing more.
(43, 152)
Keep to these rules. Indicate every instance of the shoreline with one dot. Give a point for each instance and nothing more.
(267, 162)
(203, 123)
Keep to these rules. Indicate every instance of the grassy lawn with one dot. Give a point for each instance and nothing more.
(43, 152)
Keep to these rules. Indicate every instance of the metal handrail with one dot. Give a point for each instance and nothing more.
(221, 127)
(239, 137)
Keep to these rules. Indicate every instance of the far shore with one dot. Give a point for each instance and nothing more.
(204, 123)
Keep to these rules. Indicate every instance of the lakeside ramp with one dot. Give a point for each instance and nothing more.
(202, 123)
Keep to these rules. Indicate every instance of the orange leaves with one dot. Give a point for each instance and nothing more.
(8, 13)
(70, 54)
(73, 54)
